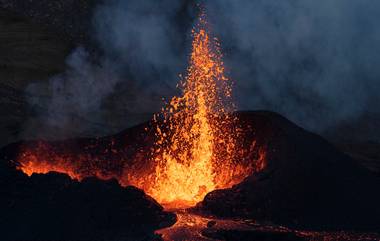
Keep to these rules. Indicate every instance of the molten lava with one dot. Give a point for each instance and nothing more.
(198, 144)
(195, 153)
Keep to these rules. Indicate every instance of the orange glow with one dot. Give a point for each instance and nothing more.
(38, 160)
(35, 164)
(199, 145)
(195, 154)
(44, 158)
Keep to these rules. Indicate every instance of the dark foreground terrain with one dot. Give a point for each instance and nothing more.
(307, 184)
(55, 207)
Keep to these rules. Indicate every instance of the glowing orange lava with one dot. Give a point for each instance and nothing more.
(198, 145)
(195, 154)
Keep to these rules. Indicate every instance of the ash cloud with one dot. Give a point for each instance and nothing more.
(148, 36)
(316, 62)
(78, 91)
(139, 48)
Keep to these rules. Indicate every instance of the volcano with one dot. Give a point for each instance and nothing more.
(306, 183)
(193, 146)
(226, 174)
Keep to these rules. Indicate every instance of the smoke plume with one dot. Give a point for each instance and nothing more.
(316, 62)
(140, 48)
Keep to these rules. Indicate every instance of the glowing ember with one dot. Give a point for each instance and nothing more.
(39, 161)
(195, 154)
(198, 146)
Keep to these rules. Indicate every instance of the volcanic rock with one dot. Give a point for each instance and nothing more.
(55, 207)
(306, 182)
(248, 235)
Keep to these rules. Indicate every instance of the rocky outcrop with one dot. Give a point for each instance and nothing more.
(54, 207)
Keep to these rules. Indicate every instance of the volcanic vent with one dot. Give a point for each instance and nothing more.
(195, 152)
(194, 146)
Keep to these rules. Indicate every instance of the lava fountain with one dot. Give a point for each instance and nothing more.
(195, 152)
(198, 143)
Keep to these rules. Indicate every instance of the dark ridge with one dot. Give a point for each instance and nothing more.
(307, 183)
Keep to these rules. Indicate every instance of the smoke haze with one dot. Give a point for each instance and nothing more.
(316, 62)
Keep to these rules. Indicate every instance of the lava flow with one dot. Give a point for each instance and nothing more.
(197, 142)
